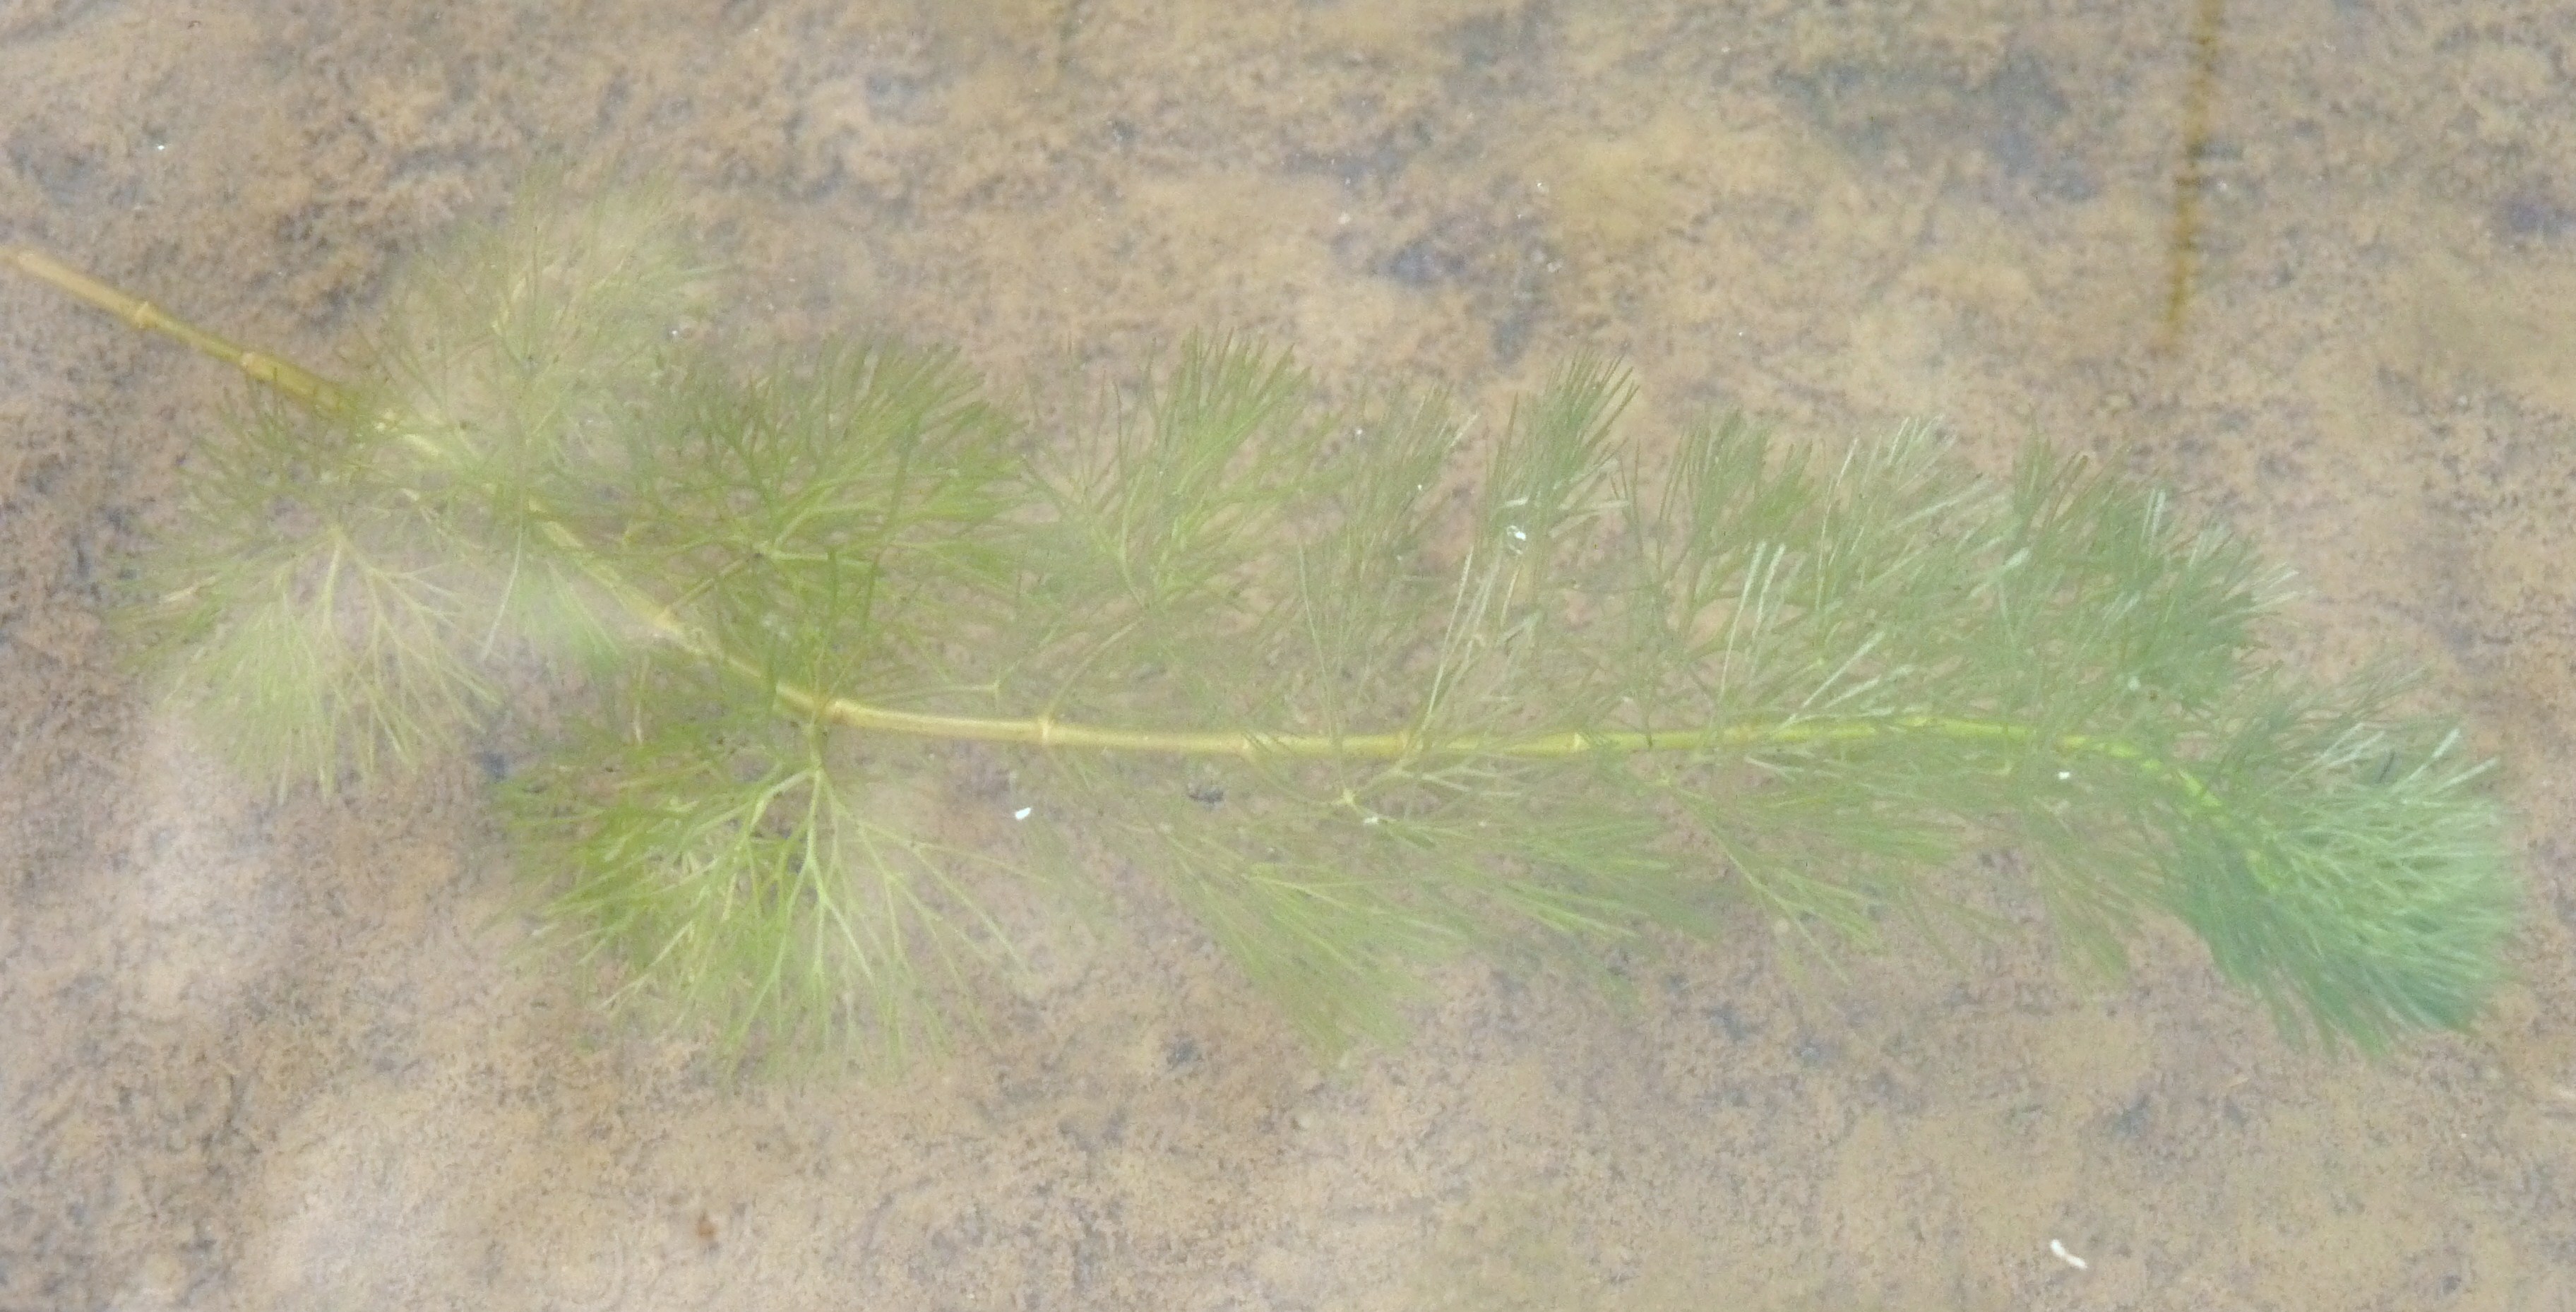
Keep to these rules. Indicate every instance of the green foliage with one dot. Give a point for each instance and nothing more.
(1245, 641)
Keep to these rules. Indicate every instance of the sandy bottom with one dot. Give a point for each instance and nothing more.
(271, 1054)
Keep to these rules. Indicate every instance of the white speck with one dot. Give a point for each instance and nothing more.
(2068, 1258)
(1022, 813)
(2064, 775)
(1517, 534)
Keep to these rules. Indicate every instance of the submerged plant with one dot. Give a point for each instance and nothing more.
(1247, 642)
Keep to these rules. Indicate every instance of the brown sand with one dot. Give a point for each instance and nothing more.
(269, 1055)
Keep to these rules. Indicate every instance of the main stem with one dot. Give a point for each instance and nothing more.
(324, 396)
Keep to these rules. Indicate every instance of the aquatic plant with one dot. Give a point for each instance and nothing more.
(1245, 640)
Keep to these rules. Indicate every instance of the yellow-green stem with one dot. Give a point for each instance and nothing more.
(325, 396)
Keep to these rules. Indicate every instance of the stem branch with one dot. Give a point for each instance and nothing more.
(330, 398)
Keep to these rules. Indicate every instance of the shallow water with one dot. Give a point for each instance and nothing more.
(277, 1055)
